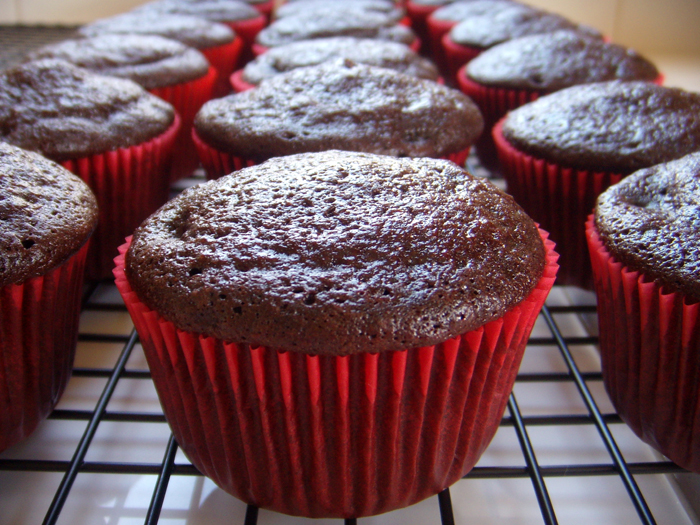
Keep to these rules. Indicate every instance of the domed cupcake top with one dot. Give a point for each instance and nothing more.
(505, 21)
(341, 105)
(192, 31)
(46, 213)
(67, 112)
(611, 126)
(334, 22)
(650, 221)
(378, 53)
(336, 253)
(553, 61)
(385, 8)
(215, 10)
(149, 60)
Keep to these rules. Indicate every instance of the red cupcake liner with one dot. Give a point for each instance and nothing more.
(436, 30)
(187, 98)
(247, 30)
(325, 436)
(559, 199)
(130, 184)
(265, 8)
(418, 14)
(238, 84)
(218, 163)
(650, 351)
(457, 55)
(39, 331)
(224, 59)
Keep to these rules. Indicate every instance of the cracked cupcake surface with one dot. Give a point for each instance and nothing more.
(337, 253)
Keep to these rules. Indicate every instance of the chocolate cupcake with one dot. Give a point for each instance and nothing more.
(390, 55)
(490, 27)
(336, 105)
(48, 215)
(308, 25)
(373, 287)
(217, 42)
(173, 71)
(521, 70)
(561, 151)
(111, 132)
(390, 10)
(643, 243)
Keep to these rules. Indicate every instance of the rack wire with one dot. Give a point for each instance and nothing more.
(92, 409)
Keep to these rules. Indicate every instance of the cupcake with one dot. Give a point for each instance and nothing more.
(378, 53)
(561, 151)
(309, 309)
(48, 215)
(644, 250)
(217, 42)
(245, 20)
(489, 27)
(393, 13)
(336, 105)
(418, 12)
(173, 71)
(109, 131)
(307, 25)
(521, 70)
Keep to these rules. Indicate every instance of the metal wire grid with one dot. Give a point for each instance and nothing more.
(15, 41)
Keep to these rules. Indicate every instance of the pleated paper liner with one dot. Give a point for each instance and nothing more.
(325, 436)
(224, 59)
(247, 30)
(39, 331)
(650, 351)
(130, 184)
(457, 55)
(436, 30)
(418, 14)
(559, 199)
(187, 98)
(218, 163)
(259, 49)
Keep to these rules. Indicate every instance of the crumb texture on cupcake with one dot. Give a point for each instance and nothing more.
(341, 105)
(47, 214)
(557, 60)
(380, 53)
(615, 126)
(149, 60)
(337, 253)
(66, 112)
(650, 221)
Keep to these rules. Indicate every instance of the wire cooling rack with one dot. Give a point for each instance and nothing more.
(561, 455)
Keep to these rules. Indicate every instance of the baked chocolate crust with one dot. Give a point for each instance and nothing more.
(149, 60)
(380, 53)
(341, 105)
(554, 61)
(192, 31)
(505, 21)
(224, 11)
(46, 214)
(308, 25)
(65, 112)
(650, 221)
(385, 8)
(337, 253)
(616, 126)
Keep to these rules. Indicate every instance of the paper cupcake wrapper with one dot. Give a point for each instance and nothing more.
(238, 84)
(265, 8)
(418, 14)
(559, 199)
(457, 55)
(335, 436)
(39, 330)
(650, 351)
(187, 98)
(436, 30)
(130, 184)
(218, 163)
(224, 59)
(247, 30)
